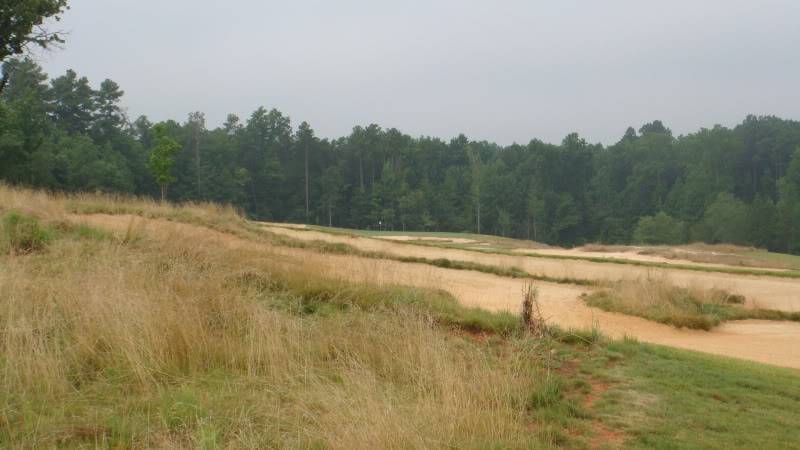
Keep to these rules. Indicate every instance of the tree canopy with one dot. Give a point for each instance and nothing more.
(739, 185)
(162, 158)
(22, 25)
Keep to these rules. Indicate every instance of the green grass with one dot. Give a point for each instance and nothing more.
(665, 398)
(792, 261)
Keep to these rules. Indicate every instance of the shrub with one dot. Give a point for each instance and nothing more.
(727, 220)
(659, 229)
(22, 233)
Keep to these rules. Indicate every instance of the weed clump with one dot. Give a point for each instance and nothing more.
(532, 320)
(21, 233)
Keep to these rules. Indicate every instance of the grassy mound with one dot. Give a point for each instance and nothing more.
(660, 301)
(169, 343)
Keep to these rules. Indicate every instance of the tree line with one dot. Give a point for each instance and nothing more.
(736, 185)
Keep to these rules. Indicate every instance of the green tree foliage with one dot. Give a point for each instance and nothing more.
(725, 220)
(763, 223)
(659, 229)
(739, 185)
(22, 25)
(788, 234)
(162, 158)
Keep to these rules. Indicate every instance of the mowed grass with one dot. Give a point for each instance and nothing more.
(781, 259)
(128, 340)
(671, 399)
(695, 308)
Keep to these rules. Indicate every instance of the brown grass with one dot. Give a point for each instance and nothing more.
(695, 307)
(142, 342)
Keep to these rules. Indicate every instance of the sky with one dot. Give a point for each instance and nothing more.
(502, 71)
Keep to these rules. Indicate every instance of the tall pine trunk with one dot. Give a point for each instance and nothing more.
(197, 164)
(361, 171)
(479, 211)
(306, 168)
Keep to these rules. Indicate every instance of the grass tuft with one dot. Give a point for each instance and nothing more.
(22, 233)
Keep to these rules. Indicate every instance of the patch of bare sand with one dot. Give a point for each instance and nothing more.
(761, 341)
(760, 291)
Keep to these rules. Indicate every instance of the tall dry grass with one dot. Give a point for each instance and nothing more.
(133, 341)
(656, 298)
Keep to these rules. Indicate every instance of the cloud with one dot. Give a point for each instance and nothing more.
(502, 71)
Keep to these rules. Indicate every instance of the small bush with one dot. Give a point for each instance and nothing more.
(21, 233)
(659, 229)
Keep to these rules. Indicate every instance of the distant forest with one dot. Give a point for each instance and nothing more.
(739, 185)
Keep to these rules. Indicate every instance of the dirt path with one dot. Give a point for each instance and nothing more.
(762, 341)
(761, 291)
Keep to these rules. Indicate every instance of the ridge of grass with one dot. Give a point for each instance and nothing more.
(680, 307)
(247, 230)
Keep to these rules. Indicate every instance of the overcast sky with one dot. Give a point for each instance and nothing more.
(504, 71)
